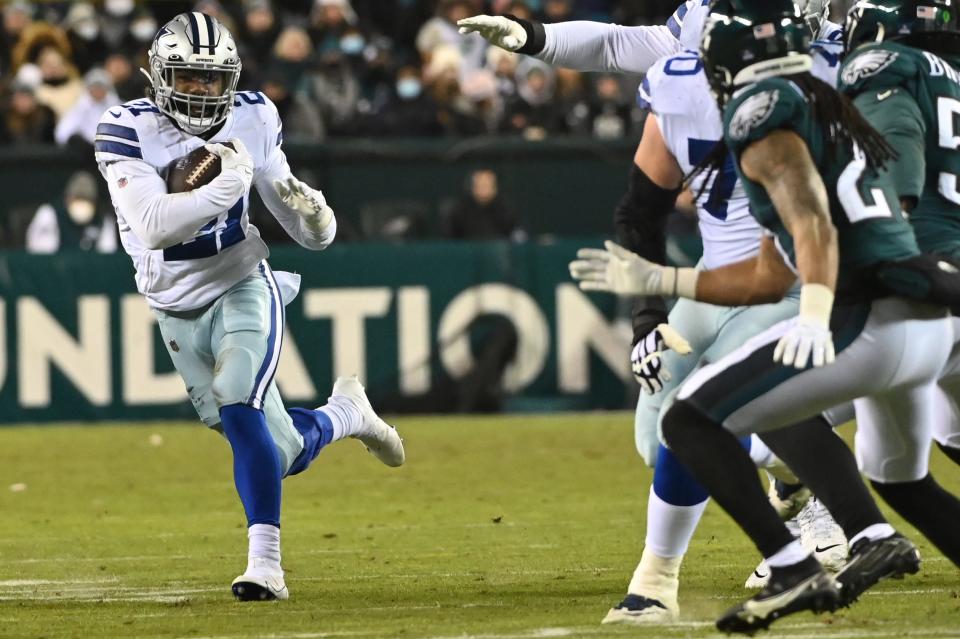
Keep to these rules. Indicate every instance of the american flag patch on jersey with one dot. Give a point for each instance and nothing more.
(762, 31)
(926, 13)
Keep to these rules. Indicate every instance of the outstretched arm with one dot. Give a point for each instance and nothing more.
(580, 45)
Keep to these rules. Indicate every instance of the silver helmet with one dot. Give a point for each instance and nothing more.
(815, 13)
(194, 68)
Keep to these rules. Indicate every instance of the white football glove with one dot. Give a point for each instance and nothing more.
(622, 272)
(307, 202)
(646, 359)
(237, 159)
(497, 30)
(810, 332)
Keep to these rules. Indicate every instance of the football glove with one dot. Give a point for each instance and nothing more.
(236, 159)
(308, 203)
(616, 270)
(497, 30)
(646, 360)
(809, 336)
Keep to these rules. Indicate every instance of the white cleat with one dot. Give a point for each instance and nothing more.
(636, 610)
(821, 535)
(260, 582)
(759, 577)
(787, 500)
(380, 438)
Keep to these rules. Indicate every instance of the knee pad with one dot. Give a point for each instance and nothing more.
(235, 373)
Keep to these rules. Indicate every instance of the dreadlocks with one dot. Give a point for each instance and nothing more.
(838, 118)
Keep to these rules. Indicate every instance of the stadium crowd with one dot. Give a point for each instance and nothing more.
(334, 67)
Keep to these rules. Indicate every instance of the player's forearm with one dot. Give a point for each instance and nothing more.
(594, 46)
(763, 279)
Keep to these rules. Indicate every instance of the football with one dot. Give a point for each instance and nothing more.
(193, 170)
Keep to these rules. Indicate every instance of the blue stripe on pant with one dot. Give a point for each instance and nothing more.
(274, 341)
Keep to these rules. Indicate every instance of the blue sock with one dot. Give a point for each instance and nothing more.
(674, 484)
(256, 463)
(317, 431)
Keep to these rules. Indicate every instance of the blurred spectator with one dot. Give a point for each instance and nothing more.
(441, 30)
(411, 112)
(25, 119)
(16, 18)
(610, 110)
(481, 214)
(336, 90)
(329, 20)
(534, 114)
(115, 25)
(454, 110)
(480, 90)
(504, 67)
(73, 223)
(128, 82)
(257, 35)
(291, 58)
(300, 116)
(83, 30)
(36, 37)
(217, 10)
(570, 95)
(60, 85)
(557, 10)
(78, 126)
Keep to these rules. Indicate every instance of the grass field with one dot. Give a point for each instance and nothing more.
(497, 527)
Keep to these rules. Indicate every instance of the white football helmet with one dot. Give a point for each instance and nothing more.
(197, 55)
(815, 13)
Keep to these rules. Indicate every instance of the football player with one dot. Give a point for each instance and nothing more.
(202, 267)
(839, 227)
(901, 72)
(684, 125)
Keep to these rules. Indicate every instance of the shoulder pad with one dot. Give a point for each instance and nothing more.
(121, 128)
(258, 107)
(673, 86)
(758, 110)
(878, 66)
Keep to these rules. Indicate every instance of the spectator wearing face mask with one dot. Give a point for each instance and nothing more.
(83, 30)
(73, 223)
(329, 21)
(534, 114)
(442, 30)
(411, 112)
(336, 90)
(78, 126)
(60, 85)
(26, 120)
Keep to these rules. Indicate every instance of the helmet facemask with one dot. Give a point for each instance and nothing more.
(194, 69)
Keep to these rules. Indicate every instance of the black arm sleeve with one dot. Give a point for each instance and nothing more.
(640, 219)
(536, 35)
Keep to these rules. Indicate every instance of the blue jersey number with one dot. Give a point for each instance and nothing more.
(683, 66)
(726, 180)
(205, 244)
(141, 106)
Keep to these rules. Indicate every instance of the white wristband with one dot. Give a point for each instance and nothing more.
(816, 303)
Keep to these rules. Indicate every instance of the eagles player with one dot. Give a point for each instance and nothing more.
(684, 124)
(202, 267)
(842, 227)
(900, 73)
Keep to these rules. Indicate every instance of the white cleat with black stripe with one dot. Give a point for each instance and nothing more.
(381, 439)
(261, 582)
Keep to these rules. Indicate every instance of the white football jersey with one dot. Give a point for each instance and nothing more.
(135, 139)
(676, 90)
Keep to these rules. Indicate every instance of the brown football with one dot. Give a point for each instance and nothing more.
(193, 170)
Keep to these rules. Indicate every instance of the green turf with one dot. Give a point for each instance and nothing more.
(498, 527)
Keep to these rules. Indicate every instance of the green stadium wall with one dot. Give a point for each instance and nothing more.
(80, 344)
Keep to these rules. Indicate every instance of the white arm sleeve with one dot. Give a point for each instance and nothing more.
(292, 222)
(594, 46)
(160, 219)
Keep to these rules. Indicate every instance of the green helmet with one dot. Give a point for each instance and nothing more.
(745, 41)
(877, 20)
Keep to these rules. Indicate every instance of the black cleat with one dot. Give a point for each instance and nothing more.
(804, 586)
(872, 561)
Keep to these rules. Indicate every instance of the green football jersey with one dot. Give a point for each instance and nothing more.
(913, 98)
(863, 203)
